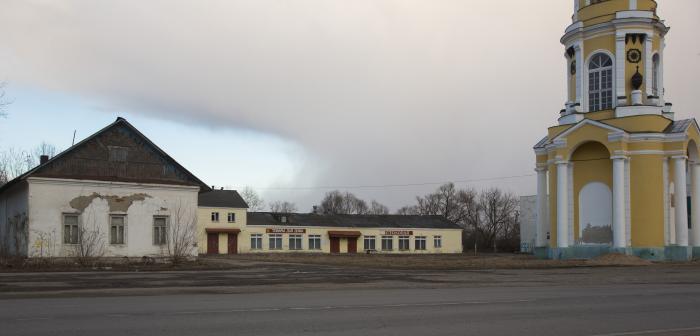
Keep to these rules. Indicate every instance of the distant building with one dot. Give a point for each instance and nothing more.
(115, 192)
(226, 228)
(616, 171)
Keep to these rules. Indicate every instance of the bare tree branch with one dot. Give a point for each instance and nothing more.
(254, 201)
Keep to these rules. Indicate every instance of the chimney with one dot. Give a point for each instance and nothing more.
(43, 159)
(213, 187)
(222, 188)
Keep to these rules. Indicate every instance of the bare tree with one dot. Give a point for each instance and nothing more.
(13, 163)
(45, 148)
(338, 203)
(376, 208)
(3, 100)
(283, 207)
(181, 234)
(498, 210)
(91, 241)
(408, 210)
(254, 201)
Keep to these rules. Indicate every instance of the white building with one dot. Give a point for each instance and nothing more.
(115, 192)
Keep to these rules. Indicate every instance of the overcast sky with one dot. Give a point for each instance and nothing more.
(296, 97)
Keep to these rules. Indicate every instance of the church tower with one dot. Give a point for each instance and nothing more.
(617, 172)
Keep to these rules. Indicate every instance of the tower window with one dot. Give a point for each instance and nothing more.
(655, 75)
(600, 83)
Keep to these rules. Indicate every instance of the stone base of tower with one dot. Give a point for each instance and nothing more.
(668, 253)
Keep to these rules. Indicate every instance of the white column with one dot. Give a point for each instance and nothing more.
(619, 203)
(681, 200)
(695, 204)
(577, 5)
(633, 4)
(648, 53)
(620, 63)
(578, 47)
(562, 204)
(541, 207)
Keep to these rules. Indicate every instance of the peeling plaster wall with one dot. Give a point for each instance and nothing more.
(95, 201)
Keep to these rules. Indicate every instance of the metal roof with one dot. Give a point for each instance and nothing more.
(352, 221)
(222, 199)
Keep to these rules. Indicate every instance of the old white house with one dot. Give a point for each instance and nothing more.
(113, 194)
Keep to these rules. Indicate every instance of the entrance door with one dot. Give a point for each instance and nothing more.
(352, 245)
(232, 243)
(335, 245)
(212, 243)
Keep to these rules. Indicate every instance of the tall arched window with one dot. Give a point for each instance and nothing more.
(600, 83)
(655, 75)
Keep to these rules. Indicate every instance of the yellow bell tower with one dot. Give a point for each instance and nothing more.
(618, 173)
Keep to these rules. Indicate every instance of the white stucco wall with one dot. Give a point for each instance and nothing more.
(13, 206)
(49, 199)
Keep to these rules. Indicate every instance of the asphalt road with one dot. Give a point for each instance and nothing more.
(613, 309)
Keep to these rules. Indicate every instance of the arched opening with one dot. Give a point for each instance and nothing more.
(592, 192)
(600, 82)
(655, 75)
(595, 214)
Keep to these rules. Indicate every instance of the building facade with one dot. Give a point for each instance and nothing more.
(226, 228)
(114, 194)
(617, 172)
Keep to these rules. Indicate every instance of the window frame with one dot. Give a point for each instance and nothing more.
(258, 239)
(231, 217)
(598, 73)
(373, 242)
(215, 216)
(437, 241)
(164, 241)
(316, 239)
(277, 239)
(422, 241)
(655, 74)
(407, 241)
(298, 239)
(123, 231)
(390, 241)
(76, 225)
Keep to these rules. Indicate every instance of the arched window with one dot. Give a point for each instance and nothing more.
(655, 75)
(600, 83)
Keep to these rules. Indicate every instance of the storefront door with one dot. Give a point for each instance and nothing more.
(232, 243)
(352, 245)
(335, 245)
(212, 243)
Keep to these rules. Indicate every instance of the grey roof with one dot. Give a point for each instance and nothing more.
(353, 221)
(542, 142)
(222, 199)
(679, 126)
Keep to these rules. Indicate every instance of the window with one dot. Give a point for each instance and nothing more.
(387, 243)
(655, 75)
(231, 217)
(437, 241)
(314, 242)
(71, 230)
(256, 241)
(159, 233)
(283, 219)
(370, 243)
(295, 242)
(118, 154)
(275, 241)
(404, 243)
(420, 243)
(116, 229)
(600, 83)
(214, 216)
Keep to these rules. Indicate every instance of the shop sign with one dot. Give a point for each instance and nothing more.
(398, 233)
(286, 230)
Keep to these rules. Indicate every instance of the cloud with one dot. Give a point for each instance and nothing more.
(381, 91)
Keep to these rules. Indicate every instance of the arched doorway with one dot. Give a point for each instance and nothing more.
(595, 214)
(592, 194)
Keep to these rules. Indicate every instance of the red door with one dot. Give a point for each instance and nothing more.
(335, 245)
(212, 243)
(232, 243)
(352, 245)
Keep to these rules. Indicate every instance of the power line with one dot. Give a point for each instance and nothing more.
(388, 186)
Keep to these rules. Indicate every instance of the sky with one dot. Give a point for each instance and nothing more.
(384, 98)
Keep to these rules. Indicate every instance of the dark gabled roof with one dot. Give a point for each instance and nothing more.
(222, 199)
(542, 143)
(353, 221)
(679, 126)
(119, 122)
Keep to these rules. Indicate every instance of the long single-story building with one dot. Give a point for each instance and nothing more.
(226, 228)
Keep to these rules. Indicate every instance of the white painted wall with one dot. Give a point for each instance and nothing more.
(13, 202)
(49, 199)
